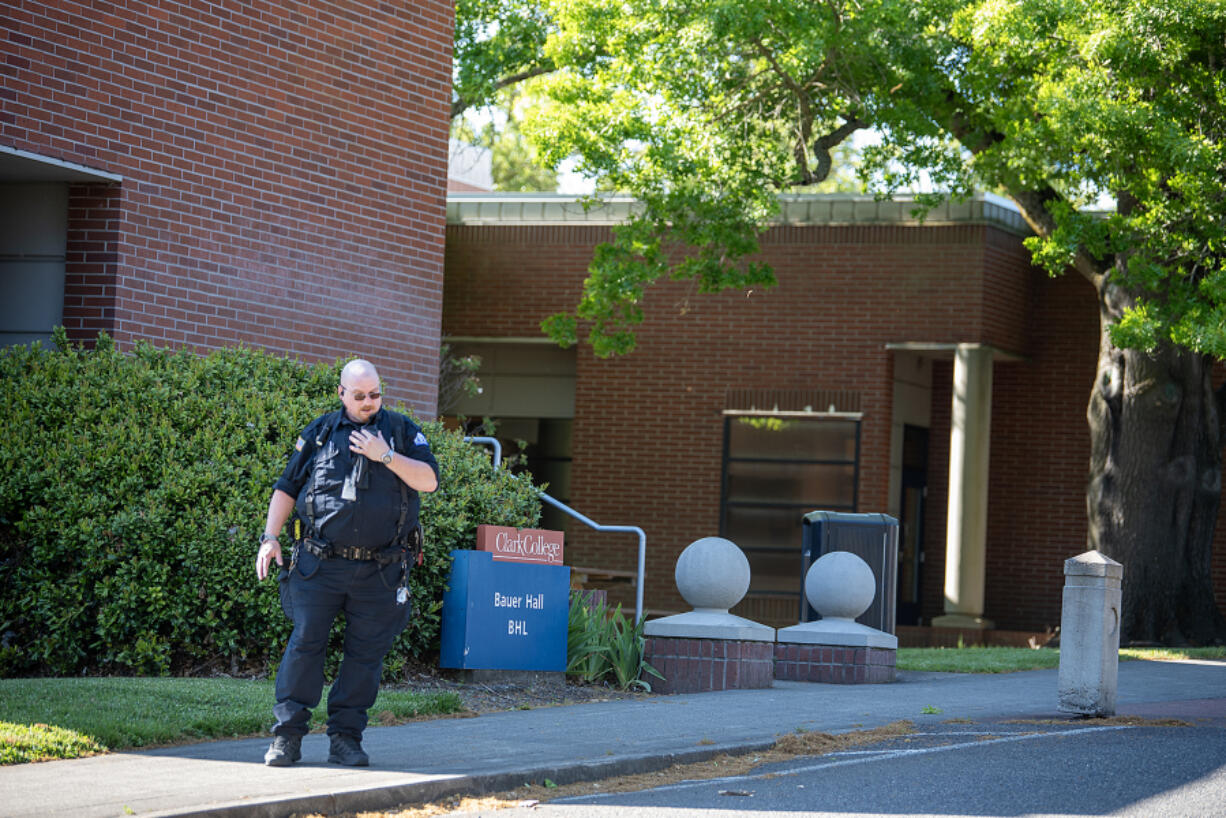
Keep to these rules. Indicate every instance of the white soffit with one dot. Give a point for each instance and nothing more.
(945, 351)
(794, 210)
(18, 166)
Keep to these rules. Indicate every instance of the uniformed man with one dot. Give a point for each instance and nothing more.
(354, 479)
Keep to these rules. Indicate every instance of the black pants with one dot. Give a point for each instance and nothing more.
(316, 591)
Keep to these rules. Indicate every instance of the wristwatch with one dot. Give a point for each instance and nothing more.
(266, 537)
(387, 456)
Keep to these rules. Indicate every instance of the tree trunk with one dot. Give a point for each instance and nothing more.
(1155, 484)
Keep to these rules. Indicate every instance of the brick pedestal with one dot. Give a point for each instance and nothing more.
(697, 665)
(831, 663)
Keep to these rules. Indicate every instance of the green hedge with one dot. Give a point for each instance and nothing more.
(133, 487)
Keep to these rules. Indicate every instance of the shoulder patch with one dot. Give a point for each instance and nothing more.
(299, 444)
(420, 440)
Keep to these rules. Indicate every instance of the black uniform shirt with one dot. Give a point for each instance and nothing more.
(321, 464)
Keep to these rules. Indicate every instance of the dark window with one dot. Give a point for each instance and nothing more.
(777, 469)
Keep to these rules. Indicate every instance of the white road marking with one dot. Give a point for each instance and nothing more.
(848, 757)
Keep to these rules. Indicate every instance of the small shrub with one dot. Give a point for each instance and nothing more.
(606, 646)
(132, 490)
(586, 652)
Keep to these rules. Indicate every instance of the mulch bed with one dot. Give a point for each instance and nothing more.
(495, 696)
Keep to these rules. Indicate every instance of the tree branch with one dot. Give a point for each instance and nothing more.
(461, 104)
(1033, 204)
(823, 144)
(780, 71)
(735, 93)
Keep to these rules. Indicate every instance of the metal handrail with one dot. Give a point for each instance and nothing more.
(493, 441)
(629, 529)
(641, 569)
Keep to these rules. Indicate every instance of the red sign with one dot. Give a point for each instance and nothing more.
(521, 544)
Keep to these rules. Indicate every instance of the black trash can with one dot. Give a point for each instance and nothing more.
(871, 537)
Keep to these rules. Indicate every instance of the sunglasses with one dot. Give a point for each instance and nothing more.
(361, 396)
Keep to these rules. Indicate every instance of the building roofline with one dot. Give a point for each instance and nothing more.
(18, 166)
(826, 209)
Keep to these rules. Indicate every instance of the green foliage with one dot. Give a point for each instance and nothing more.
(586, 652)
(515, 165)
(499, 49)
(1121, 97)
(132, 490)
(844, 175)
(603, 645)
(457, 376)
(497, 43)
(91, 715)
(21, 743)
(704, 111)
(977, 659)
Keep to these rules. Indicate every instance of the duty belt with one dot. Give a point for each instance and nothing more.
(323, 551)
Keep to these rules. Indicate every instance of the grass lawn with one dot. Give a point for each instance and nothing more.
(1007, 660)
(66, 718)
(976, 660)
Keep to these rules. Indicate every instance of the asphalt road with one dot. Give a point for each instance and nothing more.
(972, 760)
(983, 769)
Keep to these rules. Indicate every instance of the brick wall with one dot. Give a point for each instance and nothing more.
(1039, 461)
(1037, 502)
(92, 259)
(284, 170)
(1037, 511)
(648, 431)
(843, 294)
(501, 280)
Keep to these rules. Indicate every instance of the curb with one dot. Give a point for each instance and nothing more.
(438, 787)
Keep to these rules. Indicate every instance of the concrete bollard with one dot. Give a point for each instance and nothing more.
(836, 648)
(709, 648)
(1090, 635)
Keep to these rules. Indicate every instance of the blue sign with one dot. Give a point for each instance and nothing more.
(504, 615)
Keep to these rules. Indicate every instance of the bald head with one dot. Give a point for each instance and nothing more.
(360, 390)
(358, 369)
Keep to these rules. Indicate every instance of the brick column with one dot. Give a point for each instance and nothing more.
(699, 665)
(834, 664)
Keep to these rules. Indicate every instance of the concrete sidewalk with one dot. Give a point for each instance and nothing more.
(433, 759)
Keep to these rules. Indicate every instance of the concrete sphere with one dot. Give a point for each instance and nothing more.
(840, 585)
(712, 573)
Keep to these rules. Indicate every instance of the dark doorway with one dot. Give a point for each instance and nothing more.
(33, 242)
(911, 523)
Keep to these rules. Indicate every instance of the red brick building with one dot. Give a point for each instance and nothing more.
(739, 412)
(208, 173)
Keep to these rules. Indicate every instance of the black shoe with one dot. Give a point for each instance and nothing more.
(348, 751)
(284, 751)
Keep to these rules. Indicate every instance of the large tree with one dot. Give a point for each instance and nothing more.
(707, 109)
(499, 44)
(499, 51)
